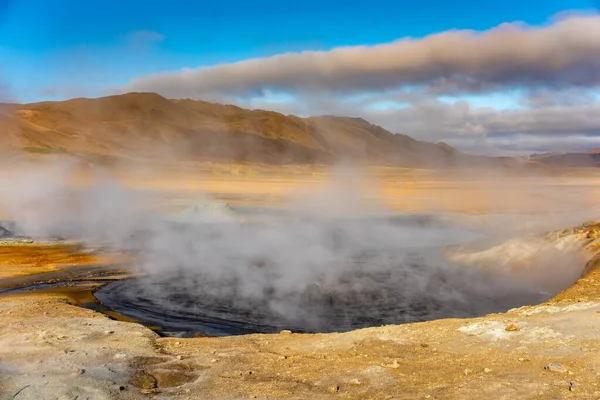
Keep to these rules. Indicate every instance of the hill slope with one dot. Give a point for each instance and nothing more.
(149, 125)
(585, 159)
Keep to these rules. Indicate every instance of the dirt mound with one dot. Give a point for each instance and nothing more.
(5, 233)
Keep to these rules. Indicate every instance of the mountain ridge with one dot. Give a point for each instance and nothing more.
(150, 125)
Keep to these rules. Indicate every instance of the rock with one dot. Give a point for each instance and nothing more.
(467, 371)
(395, 364)
(282, 357)
(573, 386)
(179, 358)
(487, 370)
(511, 328)
(355, 382)
(556, 367)
(285, 332)
(333, 389)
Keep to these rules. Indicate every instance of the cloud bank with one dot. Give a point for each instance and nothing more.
(564, 54)
(553, 72)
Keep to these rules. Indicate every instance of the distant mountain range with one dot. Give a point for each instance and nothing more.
(584, 159)
(148, 125)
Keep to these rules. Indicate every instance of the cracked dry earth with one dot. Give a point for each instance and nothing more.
(50, 349)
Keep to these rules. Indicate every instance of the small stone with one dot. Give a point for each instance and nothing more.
(120, 356)
(333, 389)
(214, 360)
(355, 382)
(285, 332)
(467, 371)
(121, 388)
(395, 364)
(573, 386)
(556, 367)
(511, 328)
(487, 370)
(177, 343)
(424, 345)
(179, 358)
(109, 332)
(283, 357)
(523, 359)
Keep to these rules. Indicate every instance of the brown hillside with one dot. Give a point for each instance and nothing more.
(147, 124)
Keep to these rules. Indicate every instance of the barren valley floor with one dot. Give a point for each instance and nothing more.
(50, 348)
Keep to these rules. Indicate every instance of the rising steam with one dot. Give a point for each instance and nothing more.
(332, 259)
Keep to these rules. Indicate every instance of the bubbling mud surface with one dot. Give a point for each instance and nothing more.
(366, 283)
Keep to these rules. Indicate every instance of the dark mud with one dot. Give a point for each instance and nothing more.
(201, 305)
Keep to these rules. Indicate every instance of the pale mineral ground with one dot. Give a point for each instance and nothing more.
(51, 348)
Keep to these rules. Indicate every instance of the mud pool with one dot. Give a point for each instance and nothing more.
(366, 272)
(295, 272)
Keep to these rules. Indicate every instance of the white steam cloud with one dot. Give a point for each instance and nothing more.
(327, 261)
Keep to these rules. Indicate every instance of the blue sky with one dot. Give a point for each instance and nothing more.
(50, 43)
(57, 49)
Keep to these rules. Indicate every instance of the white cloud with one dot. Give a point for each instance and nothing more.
(563, 54)
(142, 38)
(555, 68)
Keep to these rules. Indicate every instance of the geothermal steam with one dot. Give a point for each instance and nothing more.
(329, 261)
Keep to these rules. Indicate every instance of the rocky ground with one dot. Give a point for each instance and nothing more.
(52, 349)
